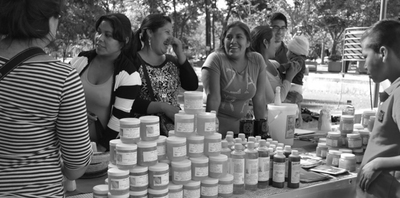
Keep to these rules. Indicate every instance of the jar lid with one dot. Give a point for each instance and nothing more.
(109, 195)
(193, 94)
(322, 140)
(206, 115)
(101, 189)
(117, 172)
(161, 139)
(192, 183)
(226, 178)
(139, 169)
(157, 192)
(369, 112)
(219, 158)
(129, 121)
(335, 152)
(147, 144)
(138, 193)
(149, 119)
(364, 132)
(209, 180)
(215, 136)
(347, 156)
(345, 150)
(175, 139)
(195, 137)
(347, 117)
(114, 142)
(122, 146)
(172, 186)
(184, 116)
(353, 135)
(159, 167)
(334, 134)
(182, 164)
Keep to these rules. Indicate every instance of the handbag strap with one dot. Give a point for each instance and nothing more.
(16, 60)
(148, 82)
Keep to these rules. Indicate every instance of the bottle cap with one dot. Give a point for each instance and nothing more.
(229, 138)
(250, 145)
(251, 139)
(238, 146)
(238, 140)
(287, 148)
(262, 143)
(224, 144)
(295, 152)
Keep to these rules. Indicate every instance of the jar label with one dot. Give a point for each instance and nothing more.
(290, 125)
(238, 171)
(278, 174)
(175, 194)
(150, 156)
(225, 188)
(331, 142)
(118, 184)
(196, 148)
(214, 147)
(201, 171)
(209, 126)
(251, 171)
(354, 143)
(191, 193)
(179, 151)
(182, 175)
(152, 130)
(347, 127)
(184, 127)
(263, 168)
(161, 150)
(295, 177)
(126, 158)
(161, 180)
(139, 180)
(130, 132)
(216, 168)
(209, 191)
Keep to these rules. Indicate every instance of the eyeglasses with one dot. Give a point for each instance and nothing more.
(276, 28)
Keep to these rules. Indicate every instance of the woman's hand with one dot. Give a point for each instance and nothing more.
(177, 46)
(292, 71)
(368, 174)
(169, 110)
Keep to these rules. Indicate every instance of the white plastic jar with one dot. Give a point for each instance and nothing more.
(191, 189)
(195, 146)
(193, 100)
(118, 181)
(184, 124)
(206, 123)
(348, 162)
(176, 148)
(100, 191)
(218, 166)
(113, 150)
(129, 130)
(175, 190)
(139, 178)
(209, 188)
(181, 171)
(126, 156)
(147, 153)
(160, 193)
(225, 186)
(199, 168)
(212, 144)
(149, 128)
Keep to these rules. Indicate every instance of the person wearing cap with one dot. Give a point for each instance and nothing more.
(279, 28)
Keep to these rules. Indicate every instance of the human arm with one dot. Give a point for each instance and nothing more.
(211, 86)
(261, 98)
(188, 77)
(178, 49)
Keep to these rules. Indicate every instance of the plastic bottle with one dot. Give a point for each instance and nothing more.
(247, 124)
(238, 161)
(349, 109)
(225, 150)
(231, 141)
(287, 151)
(242, 136)
(278, 100)
(263, 165)
(278, 175)
(294, 170)
(271, 163)
(251, 173)
(216, 120)
(230, 133)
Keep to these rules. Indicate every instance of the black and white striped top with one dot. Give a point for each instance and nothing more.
(42, 120)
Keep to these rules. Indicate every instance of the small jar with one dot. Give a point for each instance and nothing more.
(149, 128)
(359, 153)
(191, 189)
(159, 193)
(138, 194)
(161, 148)
(176, 148)
(333, 158)
(225, 186)
(147, 153)
(195, 146)
(364, 136)
(126, 156)
(199, 168)
(181, 171)
(347, 161)
(118, 196)
(365, 117)
(333, 139)
(212, 144)
(139, 179)
(118, 181)
(113, 150)
(218, 166)
(193, 99)
(129, 130)
(371, 123)
(184, 124)
(354, 141)
(346, 124)
(100, 191)
(206, 123)
(322, 150)
(209, 188)
(159, 176)
(175, 190)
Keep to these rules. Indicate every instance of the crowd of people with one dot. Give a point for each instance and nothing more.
(51, 112)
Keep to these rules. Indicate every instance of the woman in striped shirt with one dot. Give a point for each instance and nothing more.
(43, 126)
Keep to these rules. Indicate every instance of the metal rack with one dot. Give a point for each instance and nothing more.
(352, 47)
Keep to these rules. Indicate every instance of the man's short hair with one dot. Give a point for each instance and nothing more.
(278, 16)
(384, 33)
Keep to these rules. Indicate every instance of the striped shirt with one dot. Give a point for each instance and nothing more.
(43, 121)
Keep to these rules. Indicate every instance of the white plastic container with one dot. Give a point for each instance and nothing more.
(193, 100)
(184, 125)
(282, 122)
(149, 128)
(195, 146)
(129, 130)
(206, 123)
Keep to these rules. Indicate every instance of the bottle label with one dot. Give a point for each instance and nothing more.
(161, 150)
(216, 168)
(225, 188)
(332, 142)
(191, 193)
(201, 171)
(150, 156)
(184, 127)
(196, 148)
(119, 184)
(126, 158)
(295, 177)
(139, 180)
(161, 180)
(214, 147)
(238, 171)
(130, 132)
(263, 168)
(152, 130)
(209, 191)
(182, 175)
(251, 171)
(278, 174)
(290, 125)
(209, 126)
(179, 151)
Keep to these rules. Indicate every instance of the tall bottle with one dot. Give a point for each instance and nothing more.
(286, 152)
(263, 165)
(231, 142)
(251, 173)
(238, 161)
(271, 163)
(349, 109)
(294, 170)
(278, 175)
(225, 150)
(278, 100)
